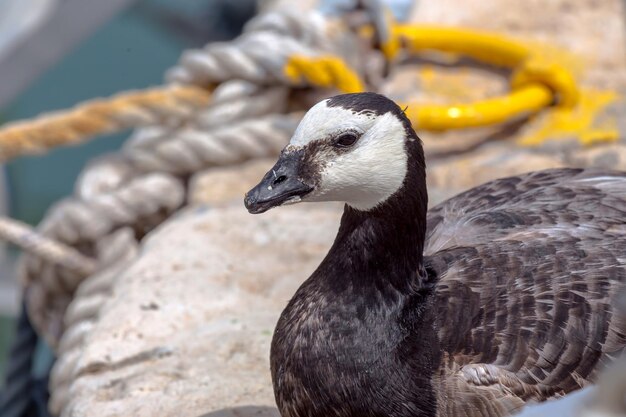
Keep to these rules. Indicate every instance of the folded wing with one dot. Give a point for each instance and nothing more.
(527, 270)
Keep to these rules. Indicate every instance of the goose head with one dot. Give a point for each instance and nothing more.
(352, 148)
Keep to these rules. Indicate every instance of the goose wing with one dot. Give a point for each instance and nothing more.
(527, 268)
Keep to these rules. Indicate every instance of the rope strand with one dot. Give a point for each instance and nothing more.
(24, 236)
(120, 112)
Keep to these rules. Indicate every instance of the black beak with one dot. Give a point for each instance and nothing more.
(279, 185)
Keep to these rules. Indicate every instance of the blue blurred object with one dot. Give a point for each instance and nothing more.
(401, 9)
(36, 34)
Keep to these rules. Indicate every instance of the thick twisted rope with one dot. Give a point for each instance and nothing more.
(23, 236)
(312, 29)
(241, 100)
(115, 114)
(117, 251)
(141, 203)
(260, 54)
(131, 189)
(190, 150)
(241, 123)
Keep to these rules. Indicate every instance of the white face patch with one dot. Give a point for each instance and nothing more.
(366, 174)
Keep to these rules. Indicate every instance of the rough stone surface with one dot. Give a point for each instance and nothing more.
(460, 174)
(187, 331)
(227, 185)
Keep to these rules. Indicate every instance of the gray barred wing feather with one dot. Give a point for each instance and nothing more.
(527, 269)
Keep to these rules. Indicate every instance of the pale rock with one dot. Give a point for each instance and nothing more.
(188, 328)
(222, 186)
(488, 164)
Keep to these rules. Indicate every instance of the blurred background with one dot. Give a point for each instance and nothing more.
(56, 53)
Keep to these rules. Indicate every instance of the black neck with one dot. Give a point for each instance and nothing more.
(387, 242)
(366, 313)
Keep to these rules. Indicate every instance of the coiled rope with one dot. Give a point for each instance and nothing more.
(224, 104)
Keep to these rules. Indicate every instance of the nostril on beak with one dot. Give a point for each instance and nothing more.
(279, 179)
(248, 200)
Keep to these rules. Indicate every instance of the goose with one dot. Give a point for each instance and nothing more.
(498, 297)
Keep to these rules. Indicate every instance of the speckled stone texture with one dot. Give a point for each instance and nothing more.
(188, 329)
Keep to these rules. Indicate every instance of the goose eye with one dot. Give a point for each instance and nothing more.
(346, 139)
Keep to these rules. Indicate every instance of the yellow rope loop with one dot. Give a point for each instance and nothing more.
(485, 47)
(557, 78)
(536, 84)
(95, 117)
(325, 71)
(530, 99)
